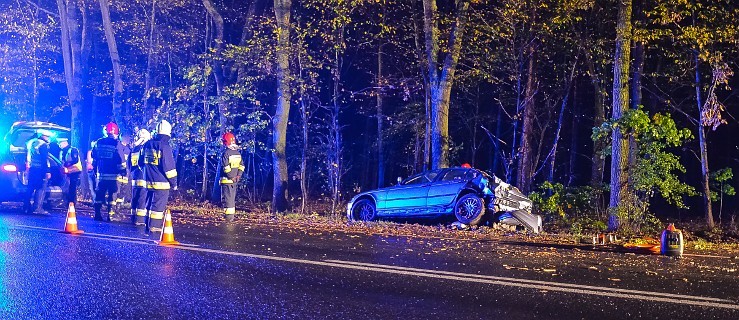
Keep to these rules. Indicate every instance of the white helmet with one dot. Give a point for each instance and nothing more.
(164, 128)
(142, 136)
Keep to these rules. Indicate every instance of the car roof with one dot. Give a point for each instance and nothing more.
(37, 125)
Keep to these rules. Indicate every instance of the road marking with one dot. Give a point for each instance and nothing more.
(105, 236)
(551, 283)
(446, 275)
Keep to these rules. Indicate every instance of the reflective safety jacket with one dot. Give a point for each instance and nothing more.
(157, 163)
(37, 154)
(137, 175)
(126, 154)
(70, 157)
(232, 166)
(108, 160)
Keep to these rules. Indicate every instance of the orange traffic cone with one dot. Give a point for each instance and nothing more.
(70, 226)
(167, 237)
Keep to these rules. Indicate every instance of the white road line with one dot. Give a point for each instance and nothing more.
(551, 283)
(435, 274)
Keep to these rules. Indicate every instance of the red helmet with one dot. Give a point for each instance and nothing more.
(228, 139)
(112, 128)
(466, 165)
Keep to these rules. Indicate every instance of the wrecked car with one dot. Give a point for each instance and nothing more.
(467, 193)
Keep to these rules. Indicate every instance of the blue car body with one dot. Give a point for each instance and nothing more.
(436, 193)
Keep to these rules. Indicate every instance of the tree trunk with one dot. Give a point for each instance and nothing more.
(703, 148)
(282, 110)
(115, 60)
(620, 146)
(560, 123)
(525, 160)
(572, 175)
(72, 69)
(380, 147)
(219, 79)
(149, 112)
(441, 79)
(599, 116)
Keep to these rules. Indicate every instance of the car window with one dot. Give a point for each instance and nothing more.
(456, 175)
(418, 179)
(431, 175)
(21, 137)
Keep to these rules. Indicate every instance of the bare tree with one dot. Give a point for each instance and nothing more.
(282, 111)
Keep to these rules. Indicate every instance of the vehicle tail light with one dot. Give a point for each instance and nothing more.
(10, 168)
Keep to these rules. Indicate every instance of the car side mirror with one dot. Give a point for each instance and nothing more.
(400, 180)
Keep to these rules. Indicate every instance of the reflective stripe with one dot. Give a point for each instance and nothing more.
(171, 173)
(72, 220)
(140, 212)
(227, 169)
(122, 166)
(226, 181)
(241, 168)
(168, 230)
(157, 185)
(139, 183)
(230, 210)
(156, 215)
(119, 200)
(122, 179)
(107, 176)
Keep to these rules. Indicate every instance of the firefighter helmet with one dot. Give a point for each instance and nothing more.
(112, 128)
(142, 136)
(228, 139)
(466, 165)
(164, 128)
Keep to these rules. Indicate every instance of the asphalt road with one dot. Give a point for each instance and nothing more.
(247, 271)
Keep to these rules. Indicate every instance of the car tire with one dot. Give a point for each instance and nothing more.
(364, 210)
(469, 209)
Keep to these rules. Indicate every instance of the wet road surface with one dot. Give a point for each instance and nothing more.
(251, 271)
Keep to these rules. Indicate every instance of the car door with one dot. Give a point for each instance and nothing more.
(443, 192)
(409, 198)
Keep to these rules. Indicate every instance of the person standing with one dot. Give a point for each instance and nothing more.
(72, 167)
(160, 173)
(123, 179)
(109, 163)
(138, 183)
(37, 162)
(232, 166)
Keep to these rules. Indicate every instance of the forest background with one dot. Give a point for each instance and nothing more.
(608, 113)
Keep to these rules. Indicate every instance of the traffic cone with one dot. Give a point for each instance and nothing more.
(167, 237)
(70, 225)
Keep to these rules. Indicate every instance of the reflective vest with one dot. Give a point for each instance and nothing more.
(232, 166)
(108, 160)
(137, 175)
(157, 162)
(71, 160)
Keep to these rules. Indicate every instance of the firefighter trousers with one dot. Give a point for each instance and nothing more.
(36, 190)
(105, 195)
(74, 182)
(138, 205)
(228, 200)
(156, 203)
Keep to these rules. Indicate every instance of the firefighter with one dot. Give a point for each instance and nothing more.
(231, 169)
(108, 163)
(157, 163)
(91, 176)
(37, 162)
(123, 179)
(71, 166)
(138, 184)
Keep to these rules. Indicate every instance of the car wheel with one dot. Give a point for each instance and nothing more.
(469, 209)
(364, 210)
